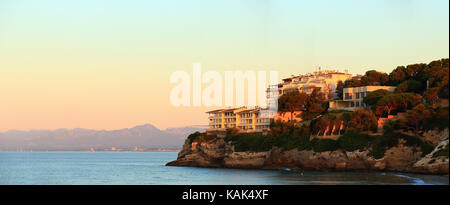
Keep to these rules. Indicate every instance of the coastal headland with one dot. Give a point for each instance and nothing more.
(218, 153)
(380, 122)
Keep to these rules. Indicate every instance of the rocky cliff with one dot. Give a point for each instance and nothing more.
(401, 158)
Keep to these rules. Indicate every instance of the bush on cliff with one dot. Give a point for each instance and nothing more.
(200, 137)
(391, 125)
(288, 142)
(353, 140)
(283, 135)
(305, 143)
(297, 138)
(194, 136)
(377, 151)
(250, 142)
(323, 145)
(289, 136)
(414, 141)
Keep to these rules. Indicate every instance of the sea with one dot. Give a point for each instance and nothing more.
(148, 168)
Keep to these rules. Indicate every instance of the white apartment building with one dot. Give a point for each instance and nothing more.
(243, 119)
(259, 119)
(326, 81)
(353, 97)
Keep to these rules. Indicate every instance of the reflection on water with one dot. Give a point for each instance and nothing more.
(148, 168)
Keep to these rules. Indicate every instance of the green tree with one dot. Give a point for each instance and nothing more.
(412, 71)
(397, 101)
(436, 74)
(373, 97)
(291, 102)
(352, 83)
(278, 128)
(431, 95)
(397, 76)
(387, 104)
(418, 117)
(316, 104)
(340, 89)
(408, 100)
(409, 86)
(364, 120)
(373, 77)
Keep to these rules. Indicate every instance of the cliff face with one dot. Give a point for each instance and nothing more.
(401, 158)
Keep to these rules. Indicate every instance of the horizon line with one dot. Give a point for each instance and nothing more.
(29, 130)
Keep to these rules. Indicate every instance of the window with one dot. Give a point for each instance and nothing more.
(348, 96)
(357, 95)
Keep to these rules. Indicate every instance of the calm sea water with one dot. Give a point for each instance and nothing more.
(148, 168)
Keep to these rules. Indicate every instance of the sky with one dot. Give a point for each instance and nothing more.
(106, 64)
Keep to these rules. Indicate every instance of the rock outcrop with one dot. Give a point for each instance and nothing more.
(401, 158)
(431, 163)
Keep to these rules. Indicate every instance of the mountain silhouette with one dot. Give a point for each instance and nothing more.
(145, 136)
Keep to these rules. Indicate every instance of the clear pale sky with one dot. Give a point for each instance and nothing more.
(105, 64)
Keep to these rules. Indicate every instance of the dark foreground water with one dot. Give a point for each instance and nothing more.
(148, 168)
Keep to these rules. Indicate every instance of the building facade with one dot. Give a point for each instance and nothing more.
(257, 119)
(326, 81)
(352, 98)
(243, 119)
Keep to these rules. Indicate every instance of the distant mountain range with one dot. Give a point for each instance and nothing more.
(143, 137)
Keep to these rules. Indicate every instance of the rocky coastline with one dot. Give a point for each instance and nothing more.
(217, 153)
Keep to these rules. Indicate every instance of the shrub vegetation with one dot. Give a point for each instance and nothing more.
(200, 137)
(323, 145)
(353, 140)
